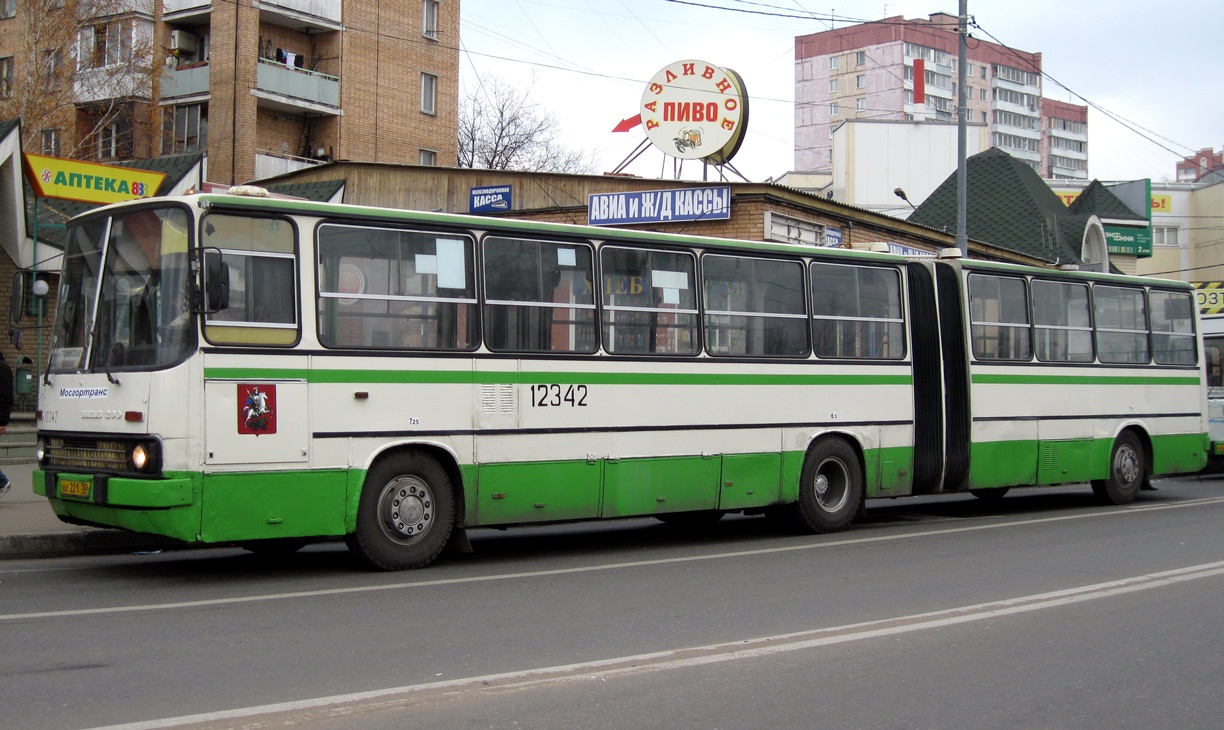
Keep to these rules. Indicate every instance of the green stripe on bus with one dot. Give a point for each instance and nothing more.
(468, 376)
(1084, 379)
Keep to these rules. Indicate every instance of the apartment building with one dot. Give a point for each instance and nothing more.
(260, 87)
(875, 70)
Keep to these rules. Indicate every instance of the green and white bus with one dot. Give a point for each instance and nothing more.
(232, 368)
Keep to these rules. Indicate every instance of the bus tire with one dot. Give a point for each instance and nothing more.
(406, 514)
(831, 489)
(1127, 470)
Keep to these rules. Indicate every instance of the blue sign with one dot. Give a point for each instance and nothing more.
(660, 206)
(490, 199)
(833, 236)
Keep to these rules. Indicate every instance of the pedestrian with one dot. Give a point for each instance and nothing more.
(6, 410)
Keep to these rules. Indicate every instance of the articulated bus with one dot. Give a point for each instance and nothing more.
(237, 369)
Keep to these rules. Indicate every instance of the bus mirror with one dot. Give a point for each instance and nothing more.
(216, 282)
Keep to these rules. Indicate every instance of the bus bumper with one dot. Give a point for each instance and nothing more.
(164, 506)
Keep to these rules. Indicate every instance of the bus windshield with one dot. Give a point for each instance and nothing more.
(125, 294)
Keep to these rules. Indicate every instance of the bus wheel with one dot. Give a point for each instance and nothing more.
(406, 514)
(831, 488)
(1127, 471)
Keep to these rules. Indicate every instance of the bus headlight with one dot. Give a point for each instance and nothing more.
(40, 451)
(144, 457)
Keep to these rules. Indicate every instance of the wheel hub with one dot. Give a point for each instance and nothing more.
(406, 509)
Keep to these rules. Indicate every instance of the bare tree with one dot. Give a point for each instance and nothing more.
(501, 128)
(82, 73)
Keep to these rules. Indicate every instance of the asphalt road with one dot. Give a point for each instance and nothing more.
(1043, 610)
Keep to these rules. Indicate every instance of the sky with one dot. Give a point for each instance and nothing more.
(585, 63)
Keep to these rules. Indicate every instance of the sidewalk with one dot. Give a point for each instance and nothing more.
(29, 528)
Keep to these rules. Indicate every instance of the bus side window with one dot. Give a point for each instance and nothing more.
(999, 318)
(1173, 328)
(1061, 321)
(538, 296)
(1121, 324)
(856, 312)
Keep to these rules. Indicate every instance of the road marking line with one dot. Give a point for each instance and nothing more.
(588, 568)
(699, 655)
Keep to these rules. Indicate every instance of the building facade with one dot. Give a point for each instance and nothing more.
(867, 71)
(1201, 163)
(259, 86)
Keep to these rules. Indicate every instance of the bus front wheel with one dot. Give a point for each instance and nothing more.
(831, 488)
(1127, 470)
(406, 513)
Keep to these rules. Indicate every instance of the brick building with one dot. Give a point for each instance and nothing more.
(258, 86)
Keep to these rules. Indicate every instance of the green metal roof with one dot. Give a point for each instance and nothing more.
(1009, 206)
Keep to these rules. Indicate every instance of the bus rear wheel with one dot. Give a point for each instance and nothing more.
(831, 488)
(406, 514)
(1127, 470)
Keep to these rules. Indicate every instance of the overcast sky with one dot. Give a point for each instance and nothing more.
(1158, 66)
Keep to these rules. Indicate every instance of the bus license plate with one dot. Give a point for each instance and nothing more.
(74, 488)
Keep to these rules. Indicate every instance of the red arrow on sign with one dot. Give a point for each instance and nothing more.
(627, 124)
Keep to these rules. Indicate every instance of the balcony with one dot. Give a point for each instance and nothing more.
(186, 11)
(110, 82)
(317, 16)
(190, 80)
(296, 90)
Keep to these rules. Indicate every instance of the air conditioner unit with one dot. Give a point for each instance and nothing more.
(182, 41)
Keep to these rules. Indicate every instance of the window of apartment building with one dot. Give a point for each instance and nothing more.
(860, 58)
(834, 110)
(1015, 142)
(981, 94)
(8, 8)
(108, 142)
(104, 44)
(834, 62)
(1164, 235)
(860, 81)
(1011, 119)
(429, 93)
(832, 86)
(185, 129)
(860, 104)
(52, 67)
(429, 19)
(49, 142)
(429, 157)
(983, 69)
(909, 73)
(6, 77)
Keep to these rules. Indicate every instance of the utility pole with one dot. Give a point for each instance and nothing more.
(962, 110)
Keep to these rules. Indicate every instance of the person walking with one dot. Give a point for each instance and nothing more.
(6, 410)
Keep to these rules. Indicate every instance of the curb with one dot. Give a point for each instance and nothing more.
(81, 542)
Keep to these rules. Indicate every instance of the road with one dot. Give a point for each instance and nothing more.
(1043, 610)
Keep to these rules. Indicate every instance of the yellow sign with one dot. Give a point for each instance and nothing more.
(1160, 203)
(89, 182)
(1210, 296)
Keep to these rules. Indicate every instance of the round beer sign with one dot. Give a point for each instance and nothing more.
(696, 110)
